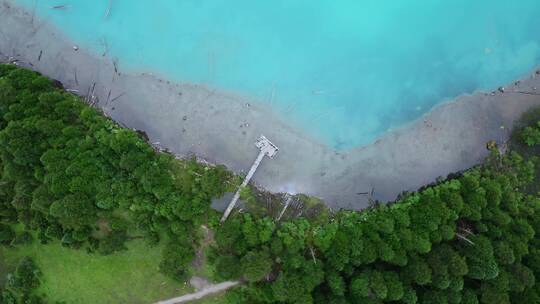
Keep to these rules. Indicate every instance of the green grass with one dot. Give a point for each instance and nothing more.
(213, 299)
(74, 276)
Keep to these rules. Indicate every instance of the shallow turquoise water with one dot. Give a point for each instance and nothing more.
(344, 71)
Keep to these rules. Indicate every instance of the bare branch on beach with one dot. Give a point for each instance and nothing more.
(33, 12)
(112, 100)
(87, 94)
(115, 64)
(95, 100)
(76, 80)
(108, 97)
(13, 60)
(60, 7)
(93, 88)
(291, 107)
(526, 93)
(108, 12)
(105, 46)
(90, 92)
(210, 94)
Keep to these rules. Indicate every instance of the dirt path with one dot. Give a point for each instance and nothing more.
(201, 293)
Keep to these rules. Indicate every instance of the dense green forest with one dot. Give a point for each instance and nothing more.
(69, 174)
(20, 286)
(468, 240)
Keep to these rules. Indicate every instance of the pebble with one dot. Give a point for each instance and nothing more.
(75, 48)
(184, 118)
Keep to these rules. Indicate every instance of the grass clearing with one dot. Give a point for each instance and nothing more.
(74, 276)
(218, 298)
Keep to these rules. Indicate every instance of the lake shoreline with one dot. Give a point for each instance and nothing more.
(221, 127)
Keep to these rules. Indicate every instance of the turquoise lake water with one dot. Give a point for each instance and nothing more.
(344, 71)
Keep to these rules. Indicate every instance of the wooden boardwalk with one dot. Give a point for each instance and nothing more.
(266, 147)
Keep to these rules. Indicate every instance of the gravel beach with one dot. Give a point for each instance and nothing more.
(221, 127)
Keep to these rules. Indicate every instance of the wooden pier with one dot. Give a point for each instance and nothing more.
(267, 148)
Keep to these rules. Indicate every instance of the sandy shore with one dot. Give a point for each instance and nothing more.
(221, 127)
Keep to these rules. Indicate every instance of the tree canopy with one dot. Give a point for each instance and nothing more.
(68, 173)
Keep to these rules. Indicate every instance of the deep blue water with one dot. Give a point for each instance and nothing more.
(344, 71)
